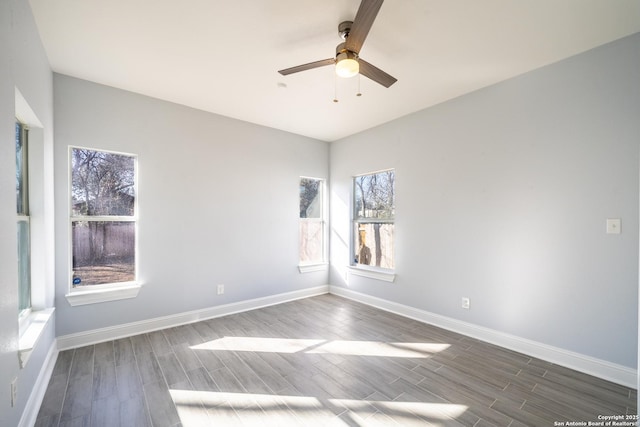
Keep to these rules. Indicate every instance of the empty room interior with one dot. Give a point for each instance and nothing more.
(345, 213)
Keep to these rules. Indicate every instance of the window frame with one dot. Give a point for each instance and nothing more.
(97, 293)
(364, 270)
(23, 216)
(310, 266)
(33, 322)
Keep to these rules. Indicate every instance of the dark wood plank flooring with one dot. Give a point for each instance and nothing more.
(321, 361)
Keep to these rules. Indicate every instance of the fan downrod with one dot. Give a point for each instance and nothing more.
(344, 28)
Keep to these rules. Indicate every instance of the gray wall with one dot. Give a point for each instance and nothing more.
(218, 202)
(24, 66)
(502, 197)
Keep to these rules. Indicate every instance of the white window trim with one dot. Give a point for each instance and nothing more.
(31, 326)
(105, 293)
(383, 274)
(95, 294)
(310, 268)
(24, 320)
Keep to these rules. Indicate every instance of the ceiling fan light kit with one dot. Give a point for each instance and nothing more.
(347, 60)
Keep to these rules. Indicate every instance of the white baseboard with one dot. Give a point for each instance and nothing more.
(129, 329)
(599, 368)
(30, 412)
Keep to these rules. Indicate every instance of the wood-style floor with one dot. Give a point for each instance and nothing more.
(321, 361)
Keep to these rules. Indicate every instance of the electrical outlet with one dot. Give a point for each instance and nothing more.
(14, 392)
(220, 289)
(613, 225)
(465, 303)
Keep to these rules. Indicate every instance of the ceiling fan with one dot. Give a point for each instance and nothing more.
(347, 60)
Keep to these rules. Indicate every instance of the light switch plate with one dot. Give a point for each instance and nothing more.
(613, 225)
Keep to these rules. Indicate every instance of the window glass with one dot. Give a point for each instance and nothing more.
(102, 183)
(21, 171)
(374, 195)
(310, 198)
(374, 244)
(23, 227)
(374, 212)
(24, 266)
(103, 252)
(311, 238)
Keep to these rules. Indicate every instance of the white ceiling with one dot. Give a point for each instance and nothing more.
(222, 56)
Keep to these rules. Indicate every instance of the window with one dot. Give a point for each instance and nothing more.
(22, 203)
(35, 236)
(373, 219)
(312, 225)
(103, 218)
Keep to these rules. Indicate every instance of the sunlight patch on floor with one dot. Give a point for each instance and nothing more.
(194, 407)
(268, 345)
(441, 411)
(227, 408)
(314, 346)
(378, 348)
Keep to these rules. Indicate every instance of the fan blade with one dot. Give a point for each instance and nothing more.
(362, 23)
(375, 73)
(309, 66)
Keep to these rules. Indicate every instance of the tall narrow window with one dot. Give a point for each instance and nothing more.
(103, 217)
(22, 203)
(373, 219)
(311, 221)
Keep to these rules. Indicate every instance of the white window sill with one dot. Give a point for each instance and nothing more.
(95, 296)
(377, 274)
(34, 326)
(308, 268)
